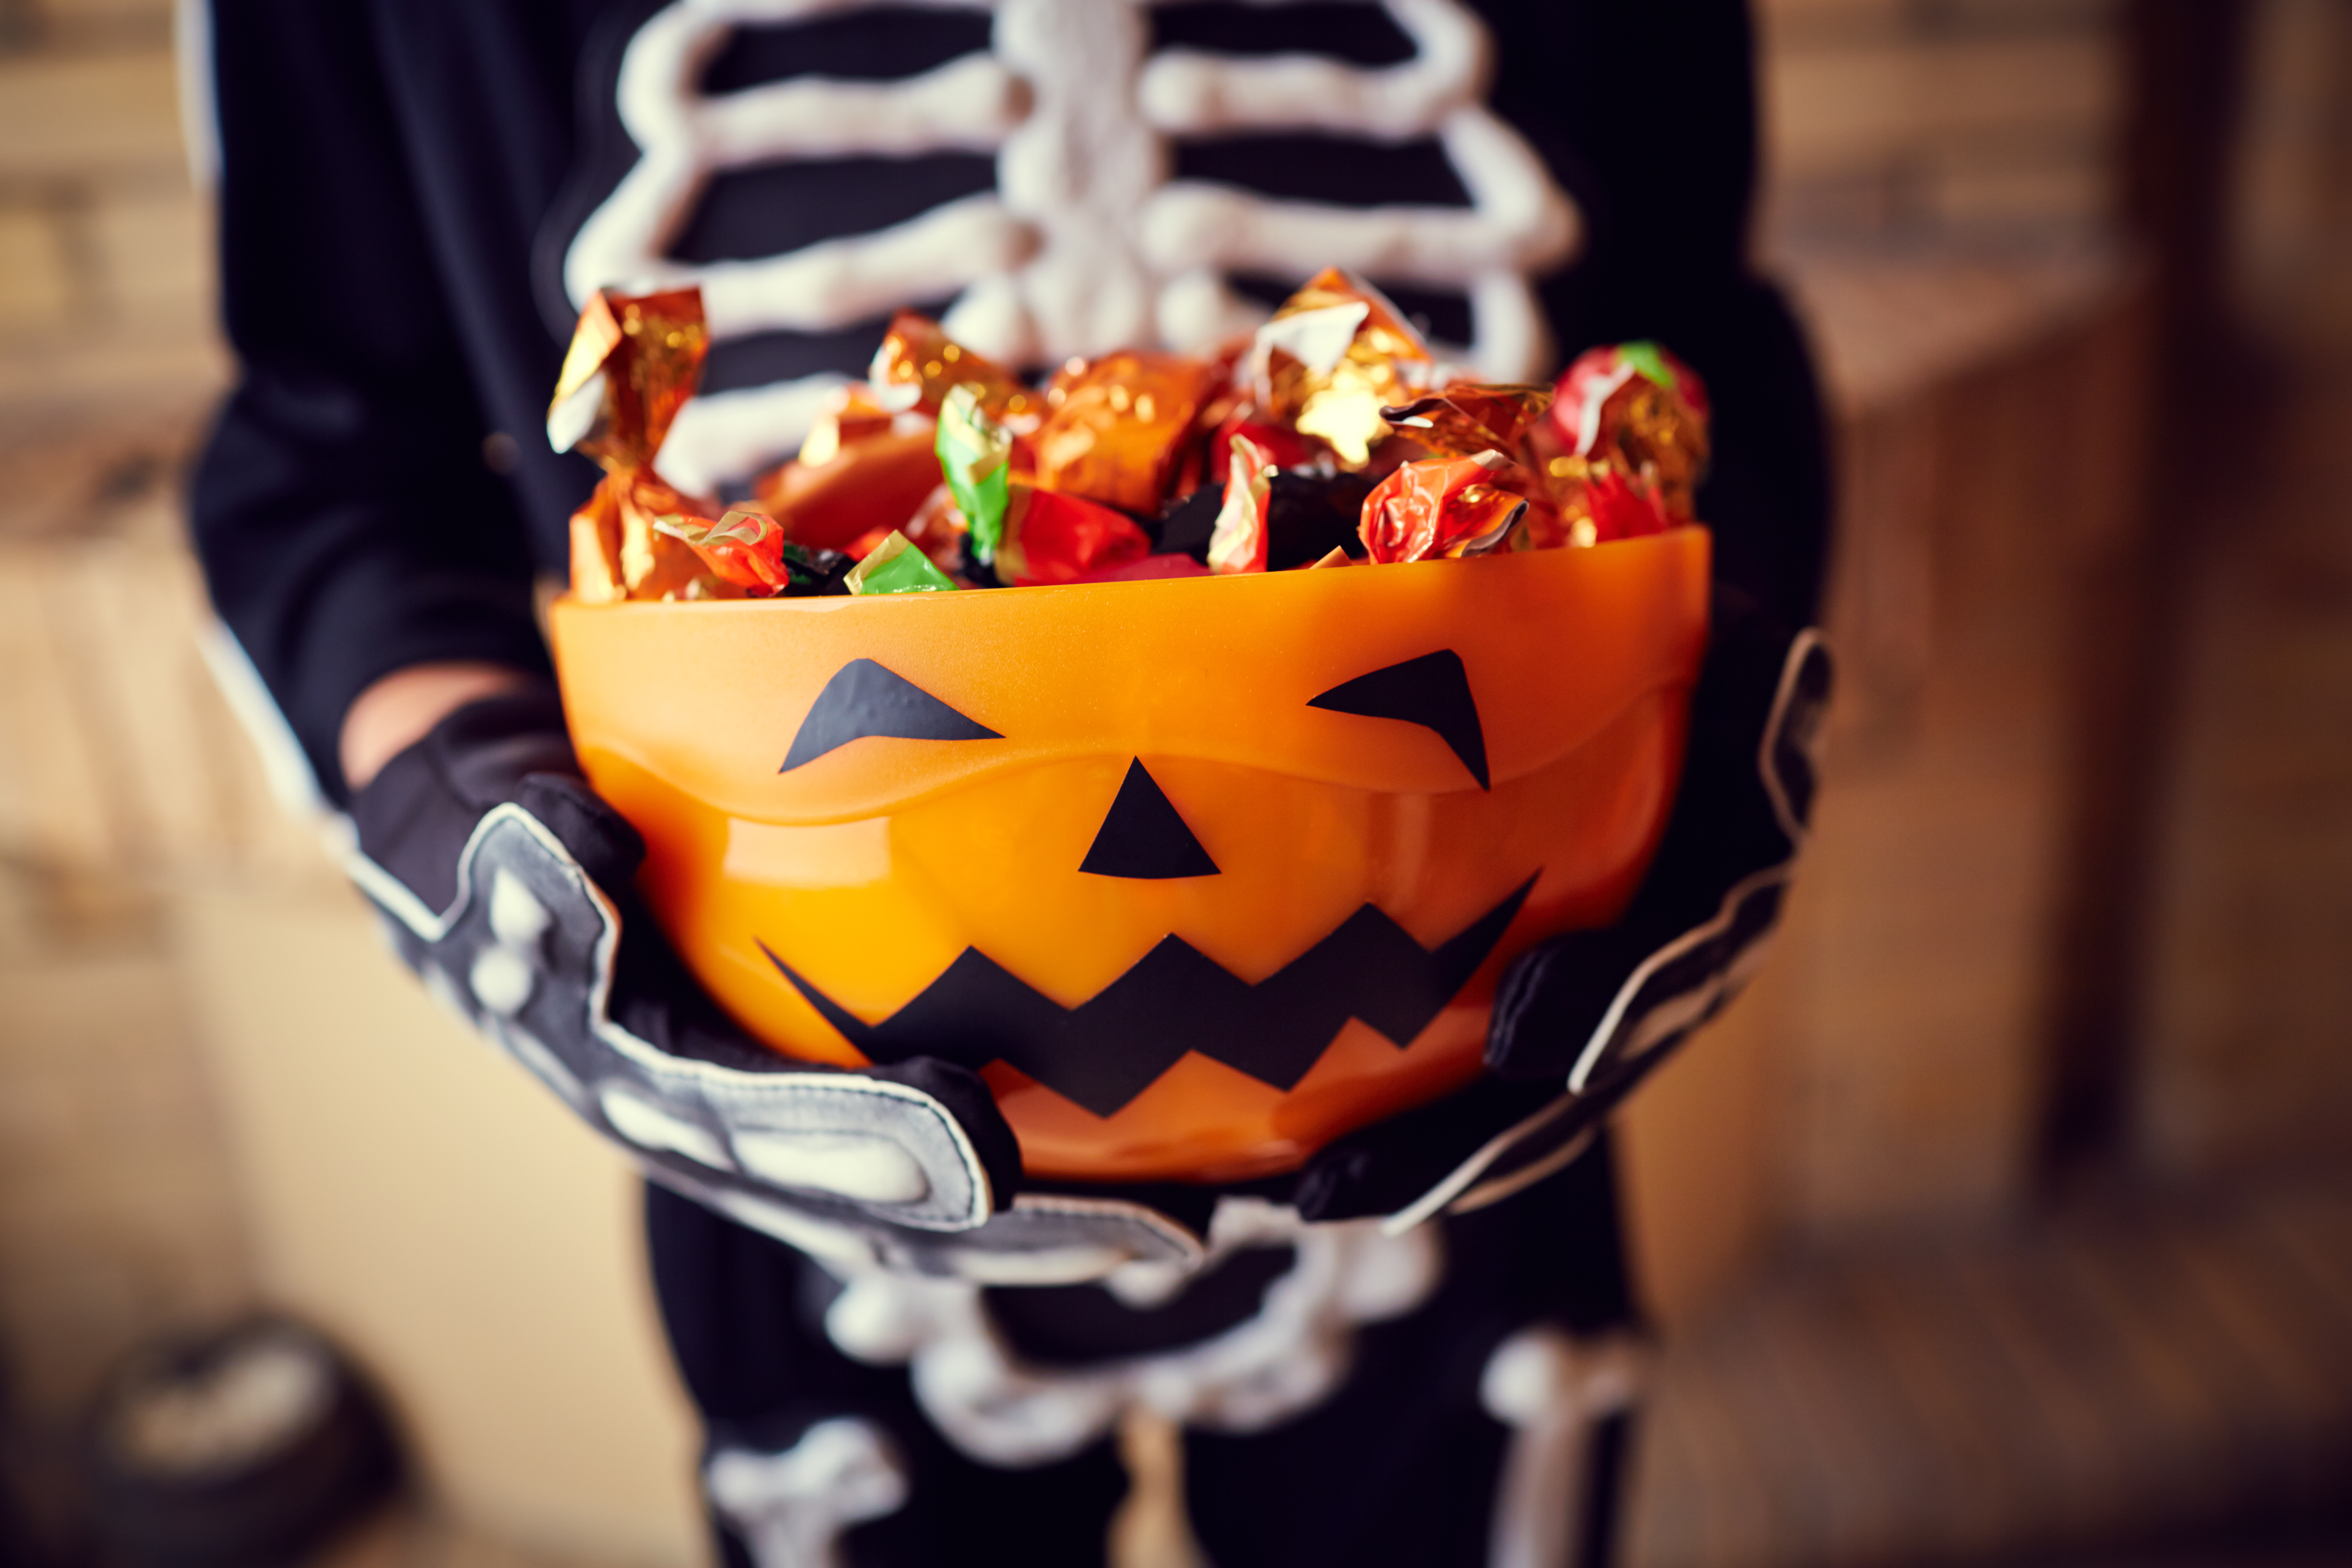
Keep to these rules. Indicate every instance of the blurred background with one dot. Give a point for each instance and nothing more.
(2007, 1219)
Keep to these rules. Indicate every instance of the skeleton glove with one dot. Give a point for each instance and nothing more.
(1591, 1012)
(507, 885)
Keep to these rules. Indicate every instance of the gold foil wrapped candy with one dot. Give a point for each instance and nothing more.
(1332, 357)
(1468, 417)
(635, 360)
(918, 364)
(1117, 425)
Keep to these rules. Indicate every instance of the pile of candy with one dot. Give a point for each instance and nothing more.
(1329, 435)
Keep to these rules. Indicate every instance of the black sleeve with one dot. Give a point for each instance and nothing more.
(345, 516)
(1647, 112)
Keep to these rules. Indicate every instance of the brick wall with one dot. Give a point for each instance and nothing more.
(105, 266)
(1987, 119)
(2243, 1062)
(117, 761)
(1940, 199)
(116, 752)
(2294, 220)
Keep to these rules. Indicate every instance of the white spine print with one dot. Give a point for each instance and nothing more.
(1086, 244)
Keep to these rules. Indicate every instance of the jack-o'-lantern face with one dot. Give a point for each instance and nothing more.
(1198, 873)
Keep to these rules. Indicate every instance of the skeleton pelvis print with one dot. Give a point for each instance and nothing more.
(1063, 176)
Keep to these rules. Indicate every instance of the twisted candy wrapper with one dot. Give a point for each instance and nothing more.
(744, 548)
(1241, 541)
(1440, 507)
(747, 551)
(1465, 418)
(975, 455)
(896, 566)
(633, 362)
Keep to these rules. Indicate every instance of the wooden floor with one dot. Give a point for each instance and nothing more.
(2142, 1369)
(2164, 1376)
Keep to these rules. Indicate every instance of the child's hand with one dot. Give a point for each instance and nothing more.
(1583, 1018)
(508, 886)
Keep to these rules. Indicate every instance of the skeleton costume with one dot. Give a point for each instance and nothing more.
(1419, 1347)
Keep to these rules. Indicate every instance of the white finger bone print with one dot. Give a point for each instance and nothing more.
(1085, 243)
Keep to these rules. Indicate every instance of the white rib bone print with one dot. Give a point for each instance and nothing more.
(1085, 243)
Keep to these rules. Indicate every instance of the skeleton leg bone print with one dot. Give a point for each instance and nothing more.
(1086, 242)
(793, 1507)
(1552, 1391)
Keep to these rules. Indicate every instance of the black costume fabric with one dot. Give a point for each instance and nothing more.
(400, 181)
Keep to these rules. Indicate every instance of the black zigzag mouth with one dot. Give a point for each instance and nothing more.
(1176, 999)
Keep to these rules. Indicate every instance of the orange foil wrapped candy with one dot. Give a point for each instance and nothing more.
(1117, 424)
(1242, 540)
(919, 363)
(1050, 537)
(1634, 419)
(1440, 507)
(1332, 357)
(635, 360)
(1469, 417)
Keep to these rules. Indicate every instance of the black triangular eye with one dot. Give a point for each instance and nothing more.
(1433, 691)
(1144, 836)
(864, 699)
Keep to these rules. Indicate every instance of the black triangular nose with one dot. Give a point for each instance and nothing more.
(1144, 837)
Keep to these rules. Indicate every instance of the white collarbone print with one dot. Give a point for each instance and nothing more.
(1086, 242)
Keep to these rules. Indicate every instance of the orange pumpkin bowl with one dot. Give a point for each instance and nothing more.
(1104, 843)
